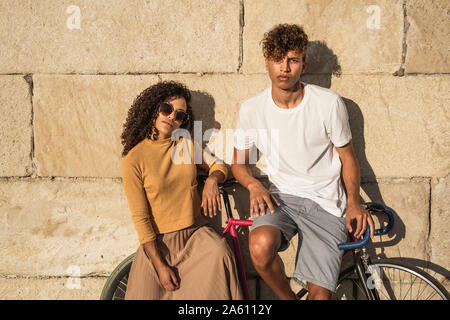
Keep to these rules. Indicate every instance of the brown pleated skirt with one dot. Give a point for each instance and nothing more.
(202, 260)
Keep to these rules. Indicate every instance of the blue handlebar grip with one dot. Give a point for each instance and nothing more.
(390, 213)
(356, 244)
(378, 232)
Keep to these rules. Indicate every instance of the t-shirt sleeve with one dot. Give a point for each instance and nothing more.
(137, 200)
(338, 127)
(244, 137)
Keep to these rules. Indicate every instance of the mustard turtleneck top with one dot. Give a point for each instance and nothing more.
(160, 182)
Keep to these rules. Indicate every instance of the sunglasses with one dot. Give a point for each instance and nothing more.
(166, 108)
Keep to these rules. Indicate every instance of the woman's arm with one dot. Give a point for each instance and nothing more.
(166, 275)
(140, 215)
(133, 186)
(218, 173)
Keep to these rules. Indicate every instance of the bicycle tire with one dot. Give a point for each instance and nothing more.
(432, 288)
(116, 284)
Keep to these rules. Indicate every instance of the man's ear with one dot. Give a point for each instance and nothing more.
(305, 64)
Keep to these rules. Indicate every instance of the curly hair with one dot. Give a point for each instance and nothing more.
(144, 111)
(283, 38)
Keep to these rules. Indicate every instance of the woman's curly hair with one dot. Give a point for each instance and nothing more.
(283, 38)
(144, 111)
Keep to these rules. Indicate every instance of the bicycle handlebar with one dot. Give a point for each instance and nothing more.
(375, 207)
(370, 206)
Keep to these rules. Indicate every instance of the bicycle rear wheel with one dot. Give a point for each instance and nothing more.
(393, 280)
(116, 285)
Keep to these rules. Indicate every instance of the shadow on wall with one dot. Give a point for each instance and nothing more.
(203, 108)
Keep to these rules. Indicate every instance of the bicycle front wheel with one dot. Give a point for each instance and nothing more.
(116, 284)
(392, 280)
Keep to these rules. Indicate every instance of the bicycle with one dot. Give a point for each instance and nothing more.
(382, 279)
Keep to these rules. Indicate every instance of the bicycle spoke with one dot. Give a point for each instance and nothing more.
(387, 297)
(433, 293)
(118, 287)
(425, 286)
(411, 286)
(124, 283)
(356, 282)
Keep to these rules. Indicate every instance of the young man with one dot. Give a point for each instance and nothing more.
(303, 132)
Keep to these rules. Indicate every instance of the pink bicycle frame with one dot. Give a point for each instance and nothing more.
(237, 251)
(231, 223)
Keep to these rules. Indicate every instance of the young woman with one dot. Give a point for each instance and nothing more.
(180, 256)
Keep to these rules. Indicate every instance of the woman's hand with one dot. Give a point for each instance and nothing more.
(167, 278)
(211, 196)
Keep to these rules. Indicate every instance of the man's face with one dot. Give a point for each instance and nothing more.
(285, 74)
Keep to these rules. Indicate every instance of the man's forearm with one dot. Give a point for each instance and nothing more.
(351, 176)
(243, 174)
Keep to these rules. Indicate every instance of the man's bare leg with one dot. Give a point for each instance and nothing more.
(264, 242)
(316, 292)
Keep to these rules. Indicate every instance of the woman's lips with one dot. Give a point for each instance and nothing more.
(168, 123)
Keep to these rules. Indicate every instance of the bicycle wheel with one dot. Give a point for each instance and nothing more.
(116, 285)
(393, 280)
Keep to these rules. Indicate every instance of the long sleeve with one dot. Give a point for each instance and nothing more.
(213, 163)
(137, 201)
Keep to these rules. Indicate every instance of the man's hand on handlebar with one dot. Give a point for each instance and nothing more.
(362, 217)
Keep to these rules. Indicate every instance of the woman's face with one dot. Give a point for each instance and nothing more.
(167, 124)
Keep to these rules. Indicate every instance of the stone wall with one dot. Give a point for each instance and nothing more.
(69, 71)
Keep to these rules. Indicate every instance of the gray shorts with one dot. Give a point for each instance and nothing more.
(318, 258)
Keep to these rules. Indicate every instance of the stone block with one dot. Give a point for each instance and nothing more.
(345, 36)
(216, 100)
(79, 120)
(409, 198)
(54, 228)
(119, 37)
(62, 288)
(16, 130)
(428, 32)
(399, 125)
(439, 239)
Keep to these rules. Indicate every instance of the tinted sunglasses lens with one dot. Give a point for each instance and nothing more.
(165, 108)
(180, 116)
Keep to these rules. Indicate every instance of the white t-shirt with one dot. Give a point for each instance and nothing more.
(298, 143)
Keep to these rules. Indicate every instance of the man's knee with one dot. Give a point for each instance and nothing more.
(264, 242)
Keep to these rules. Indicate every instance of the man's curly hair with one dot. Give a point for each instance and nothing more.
(144, 111)
(283, 38)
